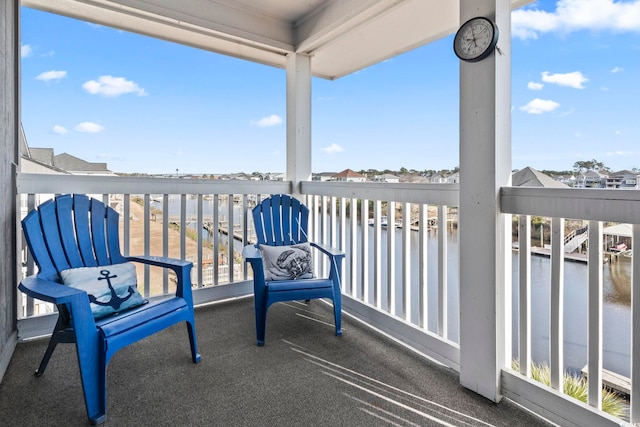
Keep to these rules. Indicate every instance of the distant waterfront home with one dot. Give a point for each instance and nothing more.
(387, 177)
(591, 179)
(349, 176)
(566, 179)
(324, 176)
(453, 178)
(623, 179)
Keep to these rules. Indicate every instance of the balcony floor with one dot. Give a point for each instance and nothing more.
(303, 376)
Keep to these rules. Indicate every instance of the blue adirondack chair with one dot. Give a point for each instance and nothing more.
(76, 231)
(280, 222)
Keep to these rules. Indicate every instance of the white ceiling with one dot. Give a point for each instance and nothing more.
(342, 36)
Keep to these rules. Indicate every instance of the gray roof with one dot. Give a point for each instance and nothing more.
(73, 164)
(529, 177)
(42, 155)
(622, 230)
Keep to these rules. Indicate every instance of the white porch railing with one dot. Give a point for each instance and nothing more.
(405, 286)
(594, 206)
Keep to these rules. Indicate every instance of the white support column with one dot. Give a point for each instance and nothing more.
(9, 157)
(485, 167)
(298, 120)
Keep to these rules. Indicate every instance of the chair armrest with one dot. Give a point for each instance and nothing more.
(158, 261)
(328, 250)
(76, 300)
(251, 252)
(182, 269)
(49, 291)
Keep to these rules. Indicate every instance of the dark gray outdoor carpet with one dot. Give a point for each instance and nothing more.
(303, 376)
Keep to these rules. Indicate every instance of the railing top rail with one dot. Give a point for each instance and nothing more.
(28, 183)
(591, 204)
(437, 194)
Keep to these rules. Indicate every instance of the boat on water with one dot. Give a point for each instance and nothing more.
(384, 222)
(620, 247)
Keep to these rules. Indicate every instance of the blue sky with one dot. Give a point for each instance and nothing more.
(145, 105)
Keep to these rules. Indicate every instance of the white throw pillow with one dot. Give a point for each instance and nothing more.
(287, 262)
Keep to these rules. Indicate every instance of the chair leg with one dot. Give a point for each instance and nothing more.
(191, 329)
(261, 325)
(93, 373)
(337, 315)
(61, 334)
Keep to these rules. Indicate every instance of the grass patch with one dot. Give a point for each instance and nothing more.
(577, 387)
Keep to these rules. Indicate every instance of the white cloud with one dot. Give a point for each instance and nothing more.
(333, 148)
(576, 15)
(619, 153)
(535, 86)
(89, 127)
(52, 75)
(272, 120)
(60, 130)
(539, 106)
(575, 79)
(25, 50)
(567, 113)
(112, 86)
(617, 70)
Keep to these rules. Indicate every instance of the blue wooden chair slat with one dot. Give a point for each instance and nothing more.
(51, 234)
(113, 237)
(83, 230)
(282, 220)
(274, 208)
(98, 214)
(38, 248)
(64, 213)
(94, 238)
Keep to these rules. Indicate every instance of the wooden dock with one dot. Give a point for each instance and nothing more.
(614, 382)
(544, 252)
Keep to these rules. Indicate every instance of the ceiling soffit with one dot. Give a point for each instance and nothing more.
(342, 36)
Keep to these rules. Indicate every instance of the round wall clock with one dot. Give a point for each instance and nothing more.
(475, 39)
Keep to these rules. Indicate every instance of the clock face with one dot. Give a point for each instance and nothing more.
(475, 39)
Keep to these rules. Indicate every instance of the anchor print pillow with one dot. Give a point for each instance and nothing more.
(111, 288)
(287, 262)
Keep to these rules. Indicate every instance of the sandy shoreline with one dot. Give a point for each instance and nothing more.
(136, 247)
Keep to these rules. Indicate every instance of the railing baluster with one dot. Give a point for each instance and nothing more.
(594, 317)
(377, 253)
(216, 239)
(635, 329)
(353, 255)
(230, 224)
(147, 241)
(31, 204)
(406, 262)
(245, 230)
(165, 241)
(556, 334)
(364, 251)
(423, 279)
(442, 271)
(183, 226)
(324, 232)
(126, 209)
(199, 228)
(391, 258)
(343, 242)
(524, 303)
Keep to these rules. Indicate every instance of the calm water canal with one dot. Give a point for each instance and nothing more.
(616, 302)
